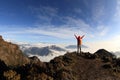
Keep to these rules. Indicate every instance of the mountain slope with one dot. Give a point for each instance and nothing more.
(70, 66)
(79, 67)
(11, 54)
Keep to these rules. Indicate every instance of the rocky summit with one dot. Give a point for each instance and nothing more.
(102, 65)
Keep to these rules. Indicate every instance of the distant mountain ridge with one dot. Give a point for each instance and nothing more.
(43, 51)
(50, 48)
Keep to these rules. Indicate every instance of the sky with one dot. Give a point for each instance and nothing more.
(56, 21)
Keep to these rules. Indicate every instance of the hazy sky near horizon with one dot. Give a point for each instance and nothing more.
(56, 21)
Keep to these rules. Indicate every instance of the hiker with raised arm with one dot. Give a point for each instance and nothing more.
(79, 43)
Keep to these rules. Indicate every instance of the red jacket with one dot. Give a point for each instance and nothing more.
(79, 39)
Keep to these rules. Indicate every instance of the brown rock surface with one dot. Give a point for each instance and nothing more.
(11, 54)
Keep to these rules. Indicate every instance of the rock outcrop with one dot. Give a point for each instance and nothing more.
(105, 55)
(11, 54)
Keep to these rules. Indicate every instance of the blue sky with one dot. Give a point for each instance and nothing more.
(56, 21)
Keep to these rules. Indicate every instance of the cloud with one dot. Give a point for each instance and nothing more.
(44, 10)
(71, 26)
(117, 13)
(45, 14)
(66, 31)
(102, 30)
(118, 9)
(98, 11)
(78, 10)
(86, 2)
(109, 44)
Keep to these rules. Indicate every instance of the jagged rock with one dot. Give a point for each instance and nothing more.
(34, 60)
(1, 39)
(3, 67)
(89, 55)
(102, 52)
(11, 75)
(104, 55)
(11, 54)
